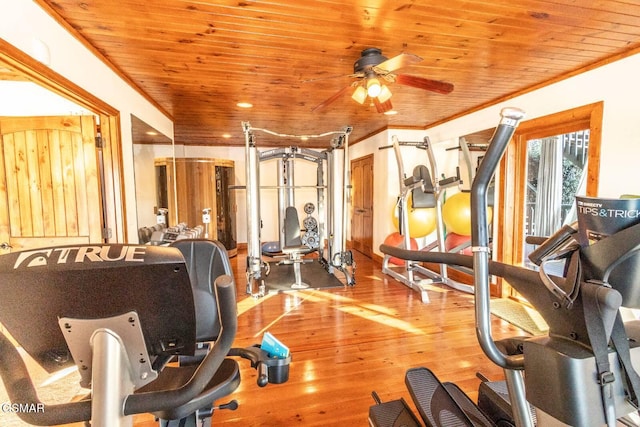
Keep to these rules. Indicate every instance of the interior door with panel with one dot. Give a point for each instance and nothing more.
(49, 182)
(362, 216)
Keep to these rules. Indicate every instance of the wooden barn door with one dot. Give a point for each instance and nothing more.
(362, 216)
(49, 182)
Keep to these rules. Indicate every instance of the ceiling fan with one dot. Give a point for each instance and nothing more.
(375, 71)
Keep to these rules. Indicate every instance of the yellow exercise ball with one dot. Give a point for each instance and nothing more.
(456, 214)
(422, 221)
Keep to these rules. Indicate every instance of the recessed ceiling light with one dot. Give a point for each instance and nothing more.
(391, 112)
(244, 104)
(152, 133)
(226, 135)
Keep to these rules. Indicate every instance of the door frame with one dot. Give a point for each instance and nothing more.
(109, 131)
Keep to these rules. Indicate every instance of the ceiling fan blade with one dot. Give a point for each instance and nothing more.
(355, 75)
(331, 99)
(397, 62)
(426, 84)
(382, 107)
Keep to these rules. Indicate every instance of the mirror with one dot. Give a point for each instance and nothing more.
(193, 183)
(148, 144)
(477, 143)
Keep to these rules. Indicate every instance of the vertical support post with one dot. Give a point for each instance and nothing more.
(252, 177)
(346, 185)
(110, 379)
(403, 205)
(403, 226)
(321, 211)
(435, 179)
(515, 387)
(330, 207)
(291, 181)
(337, 193)
(398, 153)
(466, 157)
(282, 200)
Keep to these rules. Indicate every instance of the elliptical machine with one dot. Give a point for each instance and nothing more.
(581, 373)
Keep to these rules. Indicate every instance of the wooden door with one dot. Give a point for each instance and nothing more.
(362, 216)
(49, 182)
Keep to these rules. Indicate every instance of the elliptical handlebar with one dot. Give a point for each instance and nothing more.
(551, 244)
(497, 145)
(511, 117)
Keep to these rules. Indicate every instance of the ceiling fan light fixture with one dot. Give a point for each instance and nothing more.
(385, 94)
(359, 95)
(375, 72)
(373, 87)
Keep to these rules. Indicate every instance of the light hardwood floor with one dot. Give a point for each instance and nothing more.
(347, 342)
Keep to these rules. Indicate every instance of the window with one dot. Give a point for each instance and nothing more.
(556, 172)
(547, 157)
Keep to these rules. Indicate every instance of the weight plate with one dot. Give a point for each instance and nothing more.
(311, 239)
(310, 223)
(309, 208)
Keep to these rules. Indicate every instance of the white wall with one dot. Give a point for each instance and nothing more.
(145, 180)
(18, 99)
(26, 26)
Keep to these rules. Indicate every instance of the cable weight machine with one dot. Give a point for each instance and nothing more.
(329, 231)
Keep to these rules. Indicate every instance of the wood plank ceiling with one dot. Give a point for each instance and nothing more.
(197, 58)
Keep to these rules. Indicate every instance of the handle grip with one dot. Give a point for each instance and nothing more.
(510, 119)
(263, 375)
(553, 243)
